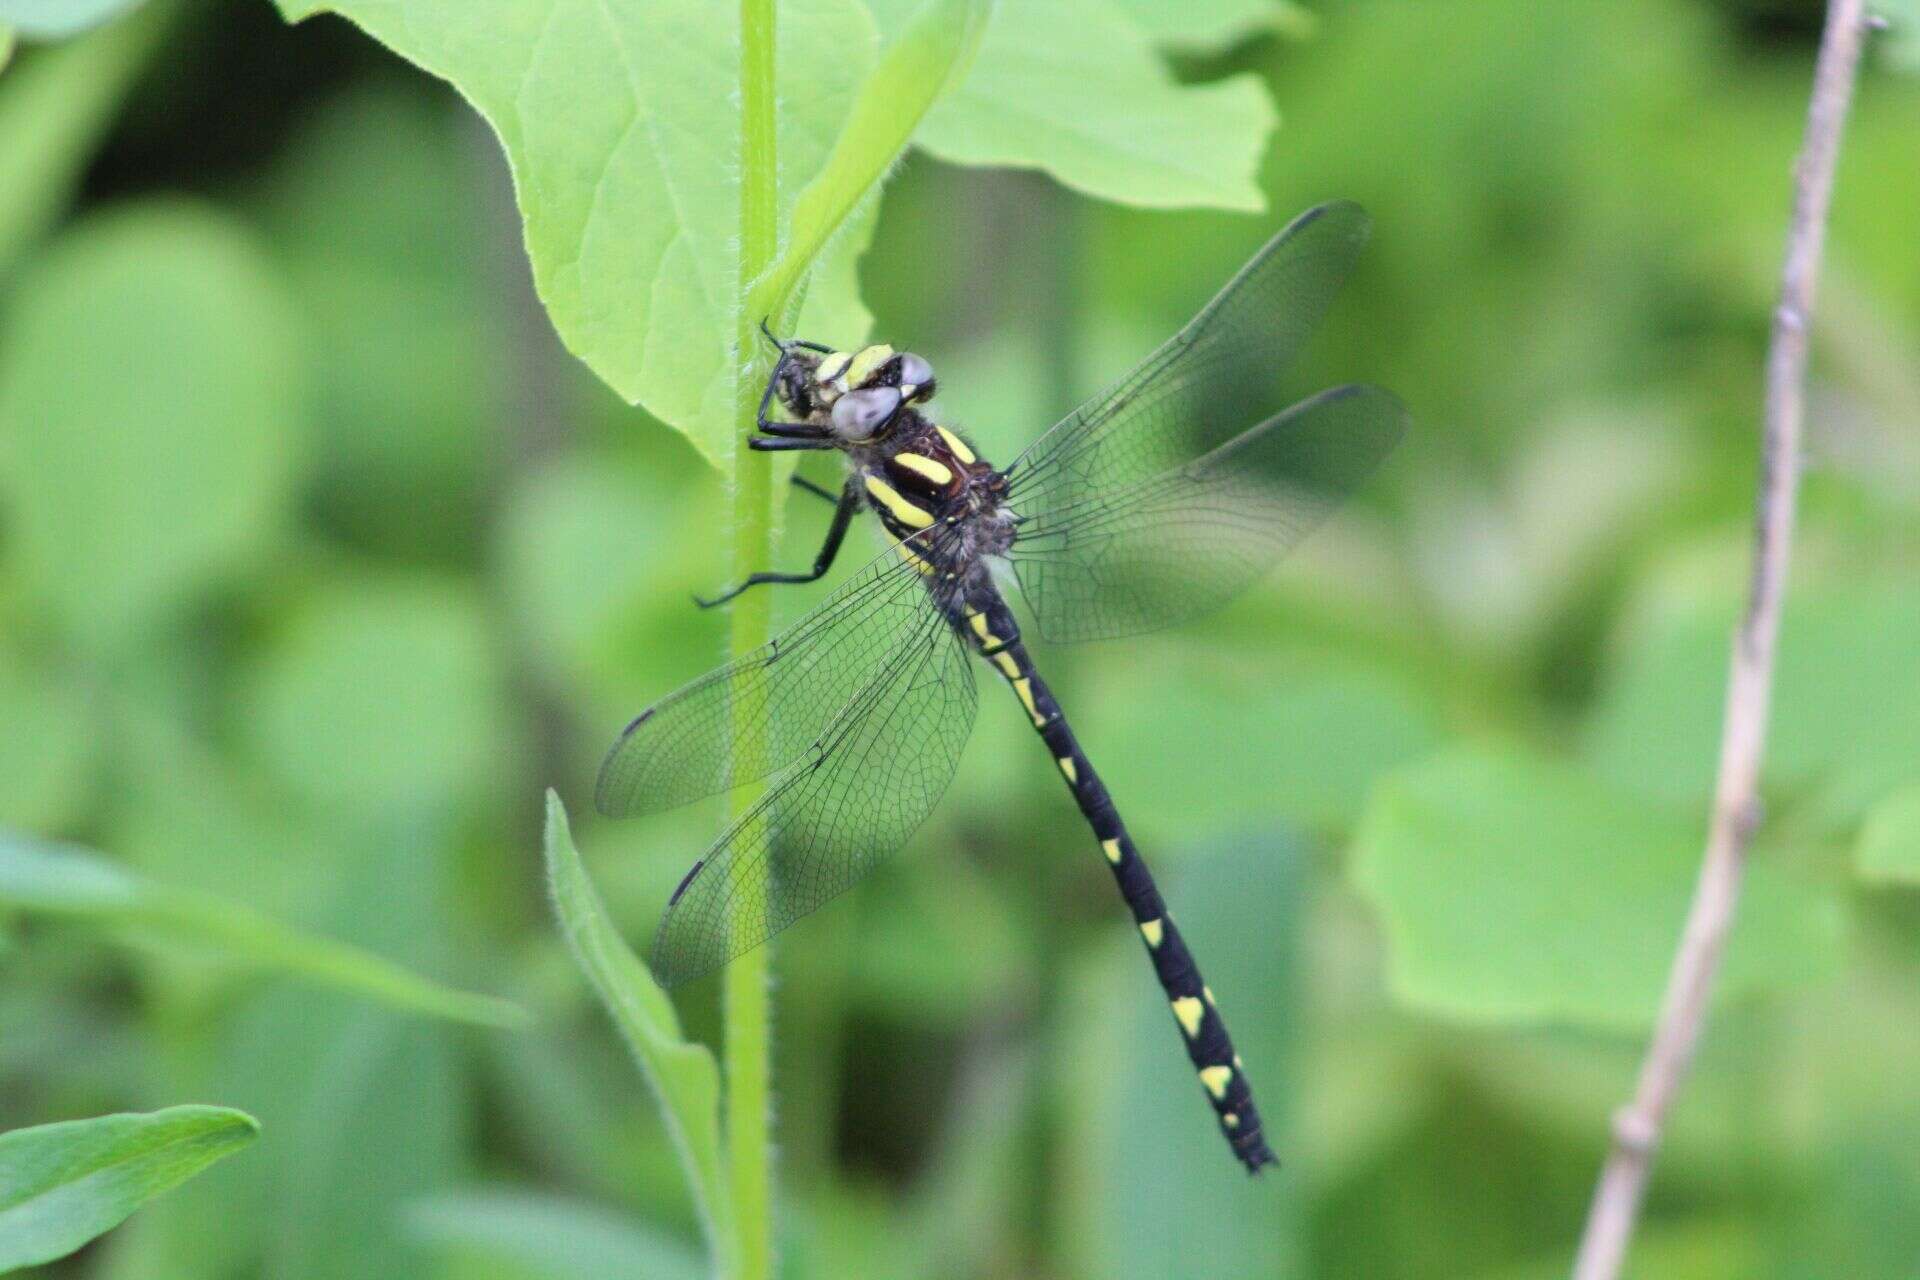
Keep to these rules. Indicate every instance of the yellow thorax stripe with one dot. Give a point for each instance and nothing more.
(914, 558)
(867, 363)
(897, 506)
(920, 464)
(957, 445)
(832, 365)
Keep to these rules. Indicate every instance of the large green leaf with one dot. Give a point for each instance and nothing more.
(682, 1074)
(150, 404)
(63, 1184)
(621, 125)
(934, 51)
(64, 881)
(1212, 24)
(552, 1237)
(1518, 889)
(1889, 848)
(1074, 87)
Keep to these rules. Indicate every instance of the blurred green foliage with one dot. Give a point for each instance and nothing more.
(320, 559)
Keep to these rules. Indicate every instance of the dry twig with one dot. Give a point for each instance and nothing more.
(1638, 1125)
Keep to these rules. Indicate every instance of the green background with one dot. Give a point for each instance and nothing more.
(320, 558)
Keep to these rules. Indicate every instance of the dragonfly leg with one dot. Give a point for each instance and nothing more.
(819, 491)
(847, 503)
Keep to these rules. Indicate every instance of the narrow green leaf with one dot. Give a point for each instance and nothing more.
(625, 153)
(1518, 889)
(933, 53)
(1889, 847)
(683, 1075)
(551, 1236)
(1074, 87)
(7, 40)
(65, 881)
(58, 19)
(63, 1184)
(53, 113)
(130, 494)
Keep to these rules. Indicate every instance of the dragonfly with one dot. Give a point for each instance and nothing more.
(1153, 504)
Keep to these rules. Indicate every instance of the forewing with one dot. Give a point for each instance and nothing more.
(831, 815)
(1209, 382)
(774, 702)
(1180, 544)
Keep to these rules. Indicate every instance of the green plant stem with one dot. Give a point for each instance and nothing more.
(748, 1031)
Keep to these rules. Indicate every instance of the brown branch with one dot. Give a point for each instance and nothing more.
(1736, 807)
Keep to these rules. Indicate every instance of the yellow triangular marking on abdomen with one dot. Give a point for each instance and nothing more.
(1190, 1012)
(1112, 850)
(1153, 931)
(1216, 1079)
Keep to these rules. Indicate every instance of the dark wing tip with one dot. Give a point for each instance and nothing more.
(1359, 222)
(611, 797)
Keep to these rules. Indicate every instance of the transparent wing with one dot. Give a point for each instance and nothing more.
(1177, 545)
(1209, 382)
(778, 697)
(831, 815)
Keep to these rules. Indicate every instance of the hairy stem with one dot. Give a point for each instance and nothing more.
(748, 1032)
(1637, 1127)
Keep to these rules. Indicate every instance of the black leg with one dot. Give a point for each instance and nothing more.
(801, 482)
(848, 503)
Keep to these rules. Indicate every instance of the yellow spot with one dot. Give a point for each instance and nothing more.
(1070, 769)
(867, 363)
(920, 464)
(913, 558)
(1216, 1079)
(1190, 1012)
(957, 446)
(1153, 931)
(907, 389)
(898, 507)
(1236, 1062)
(1024, 687)
(1112, 850)
(1207, 992)
(1230, 1119)
(832, 365)
(1008, 667)
(980, 624)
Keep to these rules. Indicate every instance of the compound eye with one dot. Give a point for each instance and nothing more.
(915, 373)
(858, 414)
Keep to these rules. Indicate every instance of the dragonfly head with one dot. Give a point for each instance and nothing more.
(854, 394)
